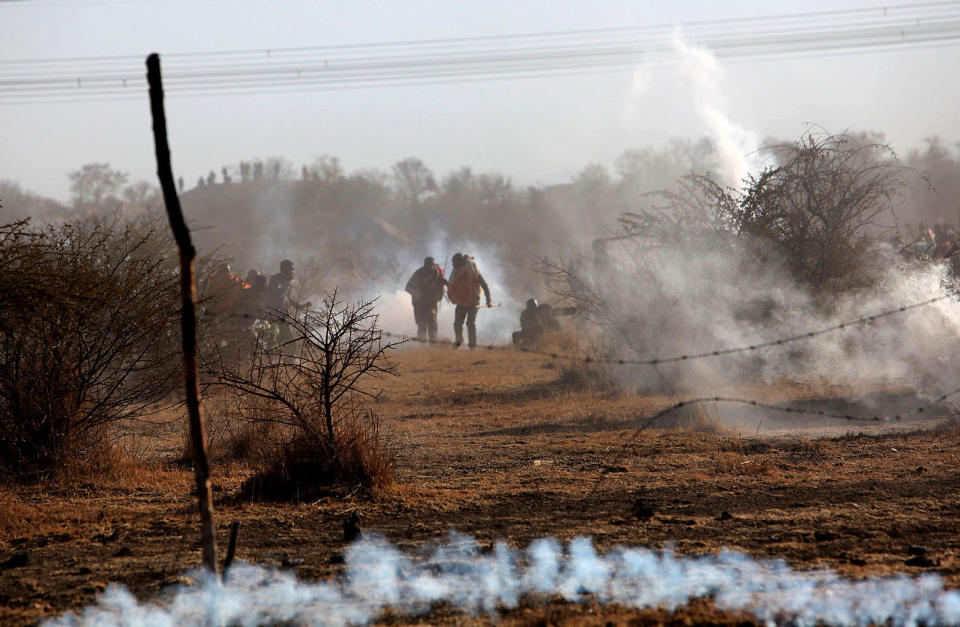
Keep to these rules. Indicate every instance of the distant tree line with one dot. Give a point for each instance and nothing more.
(369, 224)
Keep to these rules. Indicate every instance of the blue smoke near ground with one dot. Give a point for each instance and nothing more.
(458, 572)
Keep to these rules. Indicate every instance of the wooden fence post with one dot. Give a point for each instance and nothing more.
(188, 292)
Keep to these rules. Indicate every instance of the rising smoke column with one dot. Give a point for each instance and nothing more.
(460, 573)
(737, 146)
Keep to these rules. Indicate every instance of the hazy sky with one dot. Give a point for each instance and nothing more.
(536, 130)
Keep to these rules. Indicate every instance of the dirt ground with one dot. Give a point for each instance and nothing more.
(503, 445)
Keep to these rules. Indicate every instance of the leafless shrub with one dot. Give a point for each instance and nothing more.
(306, 404)
(817, 210)
(87, 337)
(813, 218)
(231, 437)
(820, 208)
(303, 467)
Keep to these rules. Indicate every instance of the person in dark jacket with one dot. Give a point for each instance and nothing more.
(426, 290)
(537, 322)
(278, 303)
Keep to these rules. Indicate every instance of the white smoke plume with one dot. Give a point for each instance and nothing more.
(378, 576)
(694, 301)
(737, 146)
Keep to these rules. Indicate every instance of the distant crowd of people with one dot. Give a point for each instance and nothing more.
(249, 171)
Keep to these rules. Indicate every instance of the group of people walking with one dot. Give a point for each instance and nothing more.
(268, 304)
(464, 289)
(256, 301)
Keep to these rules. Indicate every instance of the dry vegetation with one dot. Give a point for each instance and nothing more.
(496, 445)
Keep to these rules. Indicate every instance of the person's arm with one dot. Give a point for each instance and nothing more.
(483, 285)
(413, 285)
(297, 305)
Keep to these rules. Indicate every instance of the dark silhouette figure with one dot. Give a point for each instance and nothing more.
(426, 289)
(254, 295)
(537, 322)
(278, 303)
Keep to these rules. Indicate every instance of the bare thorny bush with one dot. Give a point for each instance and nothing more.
(87, 338)
(305, 405)
(813, 216)
(820, 209)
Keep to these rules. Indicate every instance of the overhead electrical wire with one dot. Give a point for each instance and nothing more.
(495, 57)
(907, 11)
(329, 52)
(398, 71)
(871, 35)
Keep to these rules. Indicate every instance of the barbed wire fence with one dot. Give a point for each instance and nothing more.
(859, 323)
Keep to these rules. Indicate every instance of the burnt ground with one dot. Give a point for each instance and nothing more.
(491, 444)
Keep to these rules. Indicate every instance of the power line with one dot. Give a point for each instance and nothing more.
(876, 34)
(130, 93)
(904, 10)
(424, 63)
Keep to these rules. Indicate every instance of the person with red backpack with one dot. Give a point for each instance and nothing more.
(426, 290)
(463, 290)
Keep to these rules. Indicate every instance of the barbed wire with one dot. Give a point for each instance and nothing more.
(690, 356)
(715, 353)
(923, 409)
(635, 433)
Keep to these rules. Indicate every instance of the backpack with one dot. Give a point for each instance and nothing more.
(437, 281)
(463, 287)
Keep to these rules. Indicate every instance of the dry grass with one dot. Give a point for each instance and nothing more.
(489, 443)
(305, 467)
(587, 376)
(698, 418)
(740, 464)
